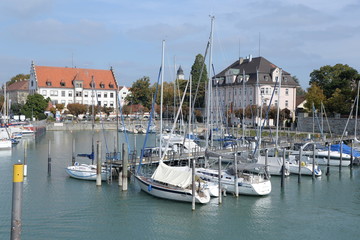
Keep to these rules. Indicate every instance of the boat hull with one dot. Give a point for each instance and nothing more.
(171, 193)
(85, 173)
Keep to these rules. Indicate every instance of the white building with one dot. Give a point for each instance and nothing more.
(123, 92)
(253, 81)
(74, 85)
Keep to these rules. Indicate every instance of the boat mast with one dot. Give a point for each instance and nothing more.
(209, 102)
(93, 119)
(161, 96)
(278, 111)
(243, 102)
(356, 110)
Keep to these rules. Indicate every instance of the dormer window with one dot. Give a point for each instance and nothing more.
(111, 85)
(266, 78)
(92, 84)
(62, 83)
(48, 83)
(102, 85)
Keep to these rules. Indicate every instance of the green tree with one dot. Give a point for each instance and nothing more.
(35, 106)
(329, 78)
(314, 95)
(16, 108)
(140, 92)
(76, 108)
(299, 90)
(107, 110)
(18, 77)
(199, 64)
(338, 103)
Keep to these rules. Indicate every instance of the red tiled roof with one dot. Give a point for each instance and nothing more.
(57, 75)
(18, 86)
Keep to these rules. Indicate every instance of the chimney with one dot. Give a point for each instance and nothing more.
(241, 60)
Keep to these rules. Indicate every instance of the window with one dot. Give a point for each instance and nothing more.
(286, 103)
(286, 91)
(105, 103)
(111, 95)
(105, 95)
(78, 93)
(43, 92)
(53, 93)
(48, 83)
(111, 104)
(276, 103)
(85, 94)
(111, 85)
(266, 90)
(99, 95)
(62, 84)
(262, 90)
(70, 93)
(285, 79)
(276, 91)
(32, 83)
(63, 93)
(92, 84)
(266, 78)
(78, 85)
(102, 85)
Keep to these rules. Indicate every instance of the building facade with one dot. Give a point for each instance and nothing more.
(253, 81)
(74, 85)
(123, 92)
(18, 91)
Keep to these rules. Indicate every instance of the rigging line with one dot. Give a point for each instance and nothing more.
(102, 122)
(201, 72)
(123, 124)
(173, 127)
(327, 120)
(318, 122)
(347, 122)
(149, 123)
(266, 116)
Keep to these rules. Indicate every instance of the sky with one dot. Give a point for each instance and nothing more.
(297, 35)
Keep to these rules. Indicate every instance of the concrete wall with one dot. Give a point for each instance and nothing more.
(337, 125)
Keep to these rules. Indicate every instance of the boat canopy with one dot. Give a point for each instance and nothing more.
(173, 175)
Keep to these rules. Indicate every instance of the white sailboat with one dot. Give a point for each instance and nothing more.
(5, 140)
(174, 184)
(87, 172)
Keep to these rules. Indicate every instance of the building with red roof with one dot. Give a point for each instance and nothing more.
(74, 85)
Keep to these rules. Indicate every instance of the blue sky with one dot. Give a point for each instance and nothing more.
(297, 35)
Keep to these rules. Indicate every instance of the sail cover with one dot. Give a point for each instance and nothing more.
(176, 176)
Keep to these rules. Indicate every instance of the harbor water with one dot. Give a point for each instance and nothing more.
(59, 207)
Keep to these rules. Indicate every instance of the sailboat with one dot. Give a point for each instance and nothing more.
(5, 140)
(174, 184)
(170, 182)
(88, 171)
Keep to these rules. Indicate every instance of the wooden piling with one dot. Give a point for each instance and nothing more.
(283, 170)
(125, 169)
(300, 157)
(341, 151)
(18, 179)
(266, 162)
(236, 184)
(73, 152)
(193, 184)
(219, 182)
(98, 165)
(328, 161)
(49, 158)
(25, 158)
(313, 162)
(351, 153)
